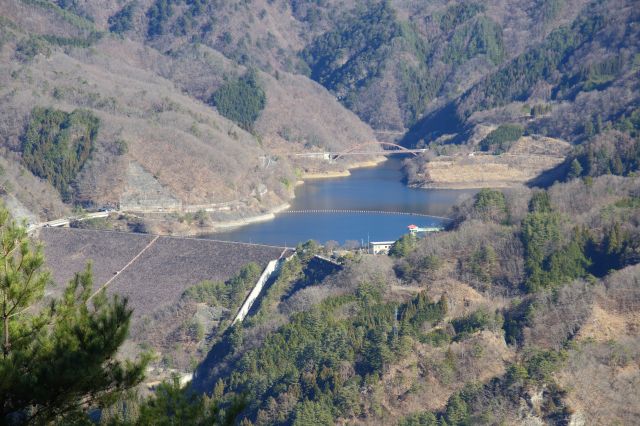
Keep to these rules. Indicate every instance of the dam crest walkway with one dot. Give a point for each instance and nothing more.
(348, 211)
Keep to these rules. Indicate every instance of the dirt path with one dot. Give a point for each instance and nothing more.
(131, 262)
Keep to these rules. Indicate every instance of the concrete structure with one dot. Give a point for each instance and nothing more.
(326, 259)
(272, 266)
(380, 247)
(64, 222)
(414, 229)
(388, 148)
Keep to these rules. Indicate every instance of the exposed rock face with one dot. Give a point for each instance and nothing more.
(144, 192)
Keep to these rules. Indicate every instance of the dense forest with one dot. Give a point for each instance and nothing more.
(57, 144)
(499, 140)
(241, 100)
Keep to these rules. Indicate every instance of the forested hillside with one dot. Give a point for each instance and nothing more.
(560, 68)
(588, 65)
(524, 311)
(419, 56)
(94, 116)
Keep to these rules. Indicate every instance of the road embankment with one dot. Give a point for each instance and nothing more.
(236, 223)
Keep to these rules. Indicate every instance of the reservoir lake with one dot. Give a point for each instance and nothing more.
(371, 190)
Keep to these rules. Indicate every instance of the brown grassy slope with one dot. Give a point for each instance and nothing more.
(602, 374)
(422, 382)
(195, 155)
(526, 159)
(300, 110)
(297, 111)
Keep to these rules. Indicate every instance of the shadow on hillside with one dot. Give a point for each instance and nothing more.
(551, 176)
(440, 122)
(315, 272)
(220, 356)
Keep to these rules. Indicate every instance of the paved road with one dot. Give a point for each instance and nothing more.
(65, 221)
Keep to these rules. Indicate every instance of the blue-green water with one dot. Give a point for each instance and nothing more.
(373, 189)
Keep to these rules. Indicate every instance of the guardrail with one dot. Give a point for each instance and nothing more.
(65, 221)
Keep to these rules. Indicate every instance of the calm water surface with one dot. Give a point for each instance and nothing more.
(378, 189)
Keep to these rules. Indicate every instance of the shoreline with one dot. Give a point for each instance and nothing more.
(228, 225)
(344, 173)
(467, 185)
(222, 226)
(216, 227)
(236, 223)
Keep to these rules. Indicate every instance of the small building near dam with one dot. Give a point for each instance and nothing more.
(380, 247)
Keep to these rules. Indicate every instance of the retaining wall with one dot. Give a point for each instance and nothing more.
(257, 289)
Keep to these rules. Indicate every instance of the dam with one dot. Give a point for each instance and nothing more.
(151, 271)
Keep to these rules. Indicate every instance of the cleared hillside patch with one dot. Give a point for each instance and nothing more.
(525, 159)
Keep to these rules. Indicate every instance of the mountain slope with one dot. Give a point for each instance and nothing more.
(579, 84)
(159, 143)
(391, 61)
(486, 323)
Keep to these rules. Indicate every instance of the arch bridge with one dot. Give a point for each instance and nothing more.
(363, 149)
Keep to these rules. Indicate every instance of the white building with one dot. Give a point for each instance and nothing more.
(380, 247)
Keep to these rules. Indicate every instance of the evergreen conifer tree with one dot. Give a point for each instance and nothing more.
(58, 358)
(576, 169)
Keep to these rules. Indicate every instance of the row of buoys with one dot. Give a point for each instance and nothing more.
(363, 212)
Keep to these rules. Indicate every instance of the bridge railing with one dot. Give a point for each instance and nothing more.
(397, 149)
